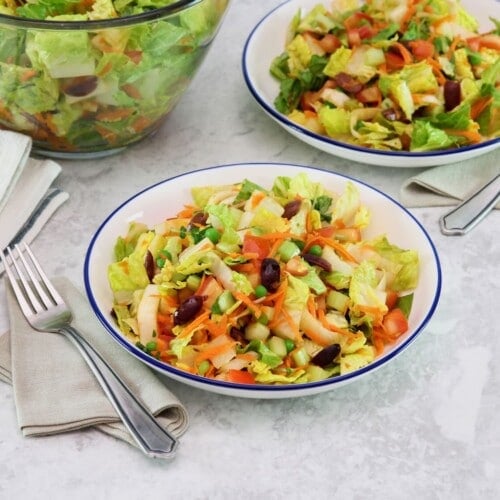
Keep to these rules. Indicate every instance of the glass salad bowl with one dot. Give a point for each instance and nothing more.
(86, 80)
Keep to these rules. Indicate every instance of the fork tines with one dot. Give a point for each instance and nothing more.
(31, 285)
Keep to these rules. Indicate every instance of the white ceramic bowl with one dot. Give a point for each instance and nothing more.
(157, 202)
(267, 40)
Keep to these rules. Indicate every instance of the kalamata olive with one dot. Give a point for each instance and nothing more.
(188, 309)
(291, 209)
(80, 86)
(315, 260)
(451, 94)
(237, 334)
(327, 355)
(149, 264)
(198, 219)
(348, 83)
(270, 273)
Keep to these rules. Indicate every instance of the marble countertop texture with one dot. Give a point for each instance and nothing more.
(423, 427)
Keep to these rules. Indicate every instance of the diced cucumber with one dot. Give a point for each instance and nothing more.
(278, 346)
(337, 300)
(257, 331)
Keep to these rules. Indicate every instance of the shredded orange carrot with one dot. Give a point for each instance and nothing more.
(114, 115)
(132, 91)
(479, 106)
(436, 69)
(405, 53)
(249, 303)
(187, 212)
(257, 197)
(278, 305)
(331, 243)
(274, 247)
(311, 306)
(210, 352)
(194, 324)
(291, 324)
(217, 329)
(471, 135)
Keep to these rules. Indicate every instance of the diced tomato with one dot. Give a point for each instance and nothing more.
(369, 95)
(366, 32)
(394, 61)
(256, 245)
(309, 100)
(330, 43)
(353, 37)
(391, 299)
(421, 49)
(164, 324)
(357, 19)
(240, 377)
(395, 323)
(326, 232)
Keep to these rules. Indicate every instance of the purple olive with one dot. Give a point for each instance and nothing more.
(80, 86)
(452, 94)
(291, 209)
(327, 355)
(270, 273)
(315, 260)
(188, 309)
(149, 264)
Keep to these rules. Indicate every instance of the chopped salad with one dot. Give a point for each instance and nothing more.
(92, 88)
(397, 75)
(263, 286)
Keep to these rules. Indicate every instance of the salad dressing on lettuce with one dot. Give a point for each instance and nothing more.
(391, 74)
(266, 286)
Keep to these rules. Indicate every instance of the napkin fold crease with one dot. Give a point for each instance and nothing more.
(55, 390)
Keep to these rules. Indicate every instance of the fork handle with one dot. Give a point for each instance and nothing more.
(152, 438)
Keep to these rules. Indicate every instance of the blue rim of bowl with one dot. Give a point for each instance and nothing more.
(199, 380)
(168, 10)
(269, 108)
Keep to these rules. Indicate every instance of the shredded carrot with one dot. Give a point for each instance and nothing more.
(453, 46)
(257, 197)
(471, 135)
(291, 324)
(28, 74)
(217, 329)
(213, 351)
(278, 305)
(187, 212)
(194, 324)
(436, 69)
(249, 303)
(331, 243)
(479, 106)
(114, 115)
(132, 91)
(405, 53)
(274, 248)
(311, 306)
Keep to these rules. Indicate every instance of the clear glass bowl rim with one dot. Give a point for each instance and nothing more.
(162, 12)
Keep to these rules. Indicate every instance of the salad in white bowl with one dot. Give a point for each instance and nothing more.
(276, 282)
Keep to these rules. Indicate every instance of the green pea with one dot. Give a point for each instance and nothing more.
(316, 250)
(212, 234)
(290, 345)
(260, 291)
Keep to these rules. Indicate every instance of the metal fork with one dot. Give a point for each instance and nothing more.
(46, 311)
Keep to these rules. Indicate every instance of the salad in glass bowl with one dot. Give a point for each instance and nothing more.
(88, 78)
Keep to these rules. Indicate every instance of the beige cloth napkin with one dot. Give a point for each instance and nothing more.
(55, 391)
(27, 199)
(450, 184)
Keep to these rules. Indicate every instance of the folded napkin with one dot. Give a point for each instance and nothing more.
(27, 200)
(54, 389)
(450, 184)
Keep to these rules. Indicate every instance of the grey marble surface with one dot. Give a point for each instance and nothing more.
(425, 426)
